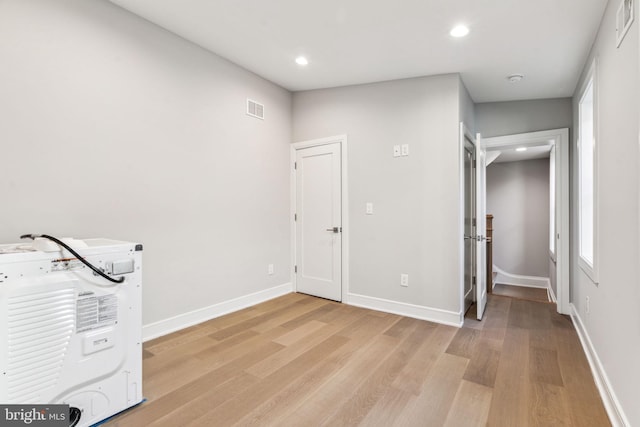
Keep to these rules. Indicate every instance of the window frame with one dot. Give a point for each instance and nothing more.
(590, 268)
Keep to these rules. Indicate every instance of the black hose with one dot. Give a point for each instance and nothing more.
(85, 262)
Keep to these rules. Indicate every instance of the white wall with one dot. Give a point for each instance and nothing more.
(415, 198)
(613, 323)
(113, 127)
(518, 199)
(513, 117)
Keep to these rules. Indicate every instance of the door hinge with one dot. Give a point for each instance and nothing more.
(473, 222)
(295, 268)
(295, 216)
(295, 165)
(473, 281)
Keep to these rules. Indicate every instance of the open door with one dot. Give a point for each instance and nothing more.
(481, 227)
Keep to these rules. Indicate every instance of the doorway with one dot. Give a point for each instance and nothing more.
(319, 223)
(557, 140)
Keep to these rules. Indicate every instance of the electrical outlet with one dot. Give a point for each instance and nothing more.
(588, 306)
(396, 151)
(369, 208)
(405, 149)
(270, 269)
(404, 280)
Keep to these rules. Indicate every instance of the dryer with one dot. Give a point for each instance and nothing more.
(69, 335)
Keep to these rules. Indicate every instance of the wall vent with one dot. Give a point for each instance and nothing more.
(255, 109)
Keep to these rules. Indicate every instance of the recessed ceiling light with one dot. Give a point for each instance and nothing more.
(521, 149)
(301, 60)
(459, 31)
(515, 78)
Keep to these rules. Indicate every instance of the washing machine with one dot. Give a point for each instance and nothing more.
(69, 334)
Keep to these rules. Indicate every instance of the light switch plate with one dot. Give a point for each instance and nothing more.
(369, 208)
(405, 149)
(396, 151)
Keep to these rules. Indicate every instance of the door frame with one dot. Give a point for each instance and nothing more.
(342, 140)
(559, 138)
(464, 134)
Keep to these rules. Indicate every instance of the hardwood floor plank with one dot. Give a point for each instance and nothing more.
(321, 404)
(511, 388)
(386, 410)
(463, 343)
(521, 292)
(432, 406)
(233, 410)
(276, 361)
(314, 314)
(371, 390)
(547, 405)
(412, 377)
(470, 406)
(586, 407)
(483, 365)
(299, 333)
(303, 361)
(543, 366)
(286, 315)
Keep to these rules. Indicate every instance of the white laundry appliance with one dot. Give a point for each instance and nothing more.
(69, 334)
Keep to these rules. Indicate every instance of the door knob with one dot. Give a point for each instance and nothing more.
(335, 229)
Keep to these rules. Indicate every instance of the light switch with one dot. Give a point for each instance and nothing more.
(396, 151)
(369, 208)
(405, 149)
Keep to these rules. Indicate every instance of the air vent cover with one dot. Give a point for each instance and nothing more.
(255, 109)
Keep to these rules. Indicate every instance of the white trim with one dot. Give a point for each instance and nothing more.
(551, 294)
(430, 314)
(464, 133)
(342, 140)
(608, 395)
(559, 137)
(590, 269)
(181, 321)
(506, 278)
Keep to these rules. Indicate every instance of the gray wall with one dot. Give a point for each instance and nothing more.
(512, 117)
(415, 198)
(113, 127)
(613, 322)
(518, 199)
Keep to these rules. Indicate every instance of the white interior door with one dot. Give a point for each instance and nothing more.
(481, 229)
(319, 221)
(470, 212)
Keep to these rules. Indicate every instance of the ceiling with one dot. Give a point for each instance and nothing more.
(360, 41)
(532, 153)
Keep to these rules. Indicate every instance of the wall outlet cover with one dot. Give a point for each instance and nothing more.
(396, 151)
(404, 280)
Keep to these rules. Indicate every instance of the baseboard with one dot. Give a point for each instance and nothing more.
(506, 278)
(436, 315)
(551, 294)
(611, 402)
(172, 324)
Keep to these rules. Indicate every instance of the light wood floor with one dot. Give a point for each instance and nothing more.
(304, 361)
(533, 294)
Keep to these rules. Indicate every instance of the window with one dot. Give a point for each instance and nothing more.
(587, 126)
